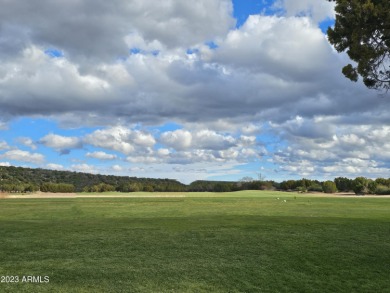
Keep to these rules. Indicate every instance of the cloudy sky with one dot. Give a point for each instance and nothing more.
(205, 89)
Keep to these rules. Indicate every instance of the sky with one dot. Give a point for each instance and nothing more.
(187, 90)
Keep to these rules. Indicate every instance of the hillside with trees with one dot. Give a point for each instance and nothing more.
(19, 180)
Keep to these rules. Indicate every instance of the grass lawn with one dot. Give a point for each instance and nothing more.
(232, 242)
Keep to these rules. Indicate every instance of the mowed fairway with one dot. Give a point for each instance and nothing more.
(234, 242)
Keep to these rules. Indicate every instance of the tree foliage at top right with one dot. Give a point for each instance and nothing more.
(362, 29)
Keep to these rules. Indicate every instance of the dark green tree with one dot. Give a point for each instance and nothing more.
(315, 187)
(222, 187)
(329, 187)
(148, 188)
(360, 185)
(362, 29)
(343, 184)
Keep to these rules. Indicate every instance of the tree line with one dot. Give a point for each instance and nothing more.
(359, 185)
(19, 180)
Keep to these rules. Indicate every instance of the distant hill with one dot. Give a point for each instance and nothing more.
(19, 177)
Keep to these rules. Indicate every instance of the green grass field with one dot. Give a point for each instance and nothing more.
(234, 242)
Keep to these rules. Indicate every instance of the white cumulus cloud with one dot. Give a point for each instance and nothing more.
(23, 156)
(60, 142)
(101, 156)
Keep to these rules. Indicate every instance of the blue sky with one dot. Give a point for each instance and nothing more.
(242, 9)
(208, 90)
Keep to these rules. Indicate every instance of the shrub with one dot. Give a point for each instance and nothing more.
(221, 187)
(372, 186)
(266, 185)
(301, 189)
(57, 187)
(329, 187)
(315, 187)
(148, 188)
(101, 187)
(382, 190)
(360, 185)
